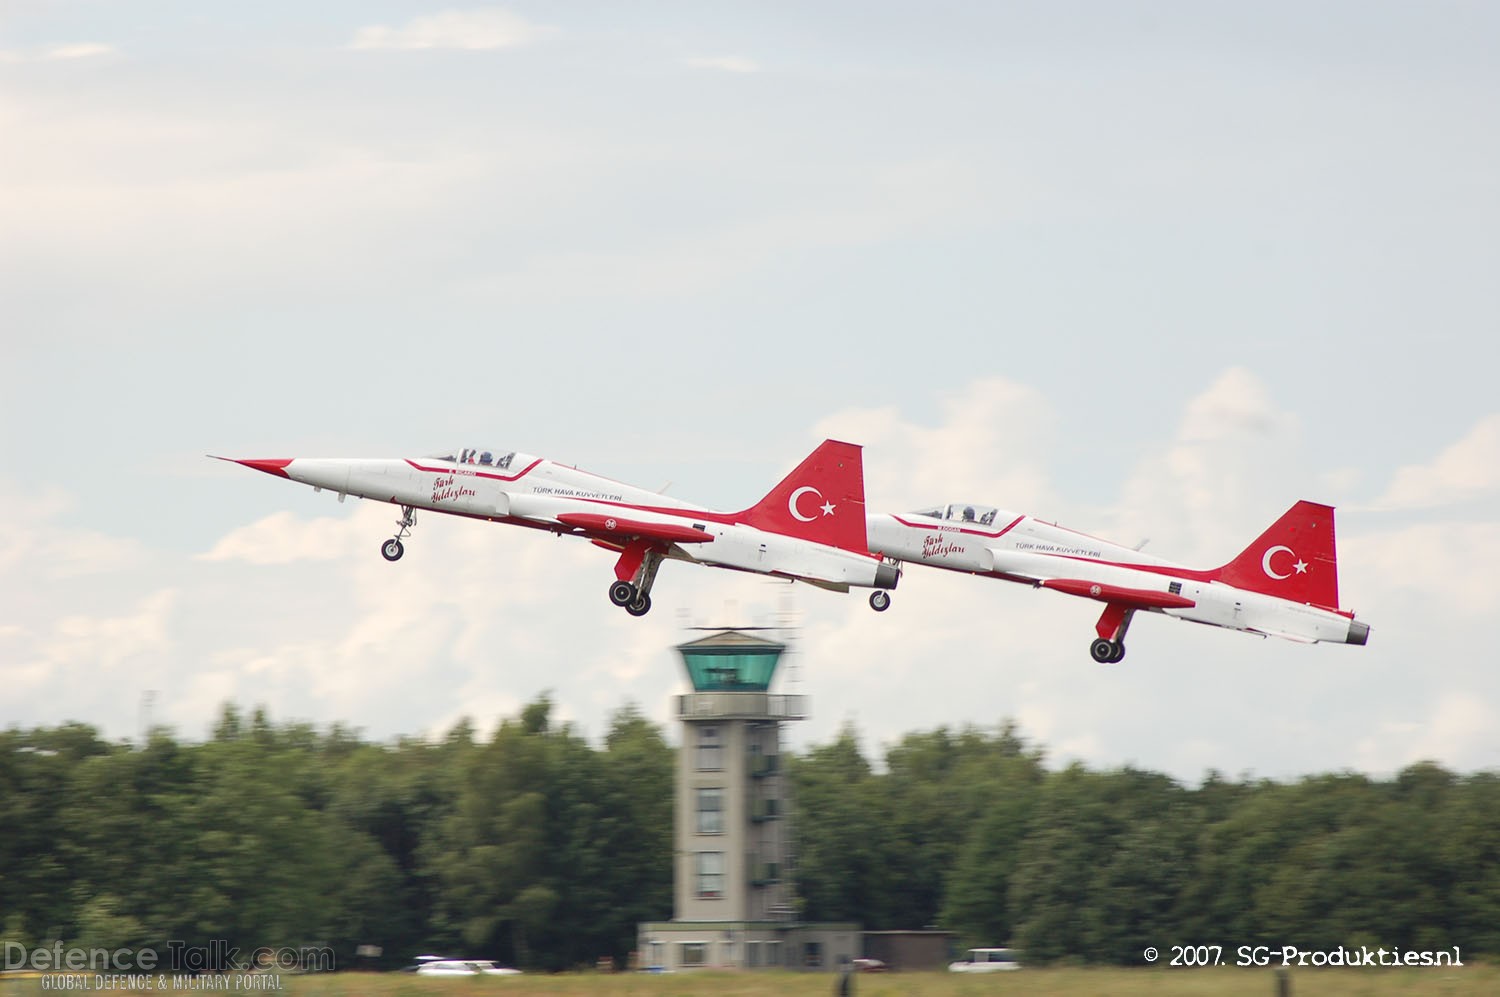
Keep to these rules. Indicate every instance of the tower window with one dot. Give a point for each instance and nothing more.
(710, 750)
(711, 811)
(710, 875)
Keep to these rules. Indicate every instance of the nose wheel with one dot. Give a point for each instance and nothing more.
(880, 601)
(393, 548)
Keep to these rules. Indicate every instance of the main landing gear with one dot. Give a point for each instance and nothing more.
(880, 601)
(636, 574)
(392, 549)
(1107, 652)
(1109, 649)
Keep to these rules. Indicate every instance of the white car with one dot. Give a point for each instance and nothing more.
(986, 961)
(463, 967)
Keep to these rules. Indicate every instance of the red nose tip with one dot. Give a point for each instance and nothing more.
(276, 466)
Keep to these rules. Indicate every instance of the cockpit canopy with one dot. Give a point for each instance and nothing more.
(962, 512)
(482, 456)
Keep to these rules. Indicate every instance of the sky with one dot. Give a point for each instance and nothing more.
(1151, 270)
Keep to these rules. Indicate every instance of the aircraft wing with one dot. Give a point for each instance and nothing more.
(618, 529)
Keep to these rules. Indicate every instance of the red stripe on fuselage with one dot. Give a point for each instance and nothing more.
(469, 469)
(942, 524)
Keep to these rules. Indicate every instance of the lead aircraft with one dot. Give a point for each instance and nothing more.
(810, 527)
(1285, 584)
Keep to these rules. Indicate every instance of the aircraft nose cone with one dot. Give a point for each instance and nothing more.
(275, 465)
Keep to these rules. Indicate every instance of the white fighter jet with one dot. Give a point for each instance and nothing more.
(1285, 584)
(810, 528)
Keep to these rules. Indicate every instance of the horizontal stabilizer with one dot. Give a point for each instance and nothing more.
(615, 526)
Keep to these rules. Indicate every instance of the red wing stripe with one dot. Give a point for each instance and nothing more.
(1139, 598)
(616, 527)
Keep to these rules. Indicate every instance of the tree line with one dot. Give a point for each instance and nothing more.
(536, 847)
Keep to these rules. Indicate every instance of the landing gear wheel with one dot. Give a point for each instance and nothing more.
(1104, 651)
(639, 606)
(880, 601)
(1119, 654)
(392, 549)
(622, 593)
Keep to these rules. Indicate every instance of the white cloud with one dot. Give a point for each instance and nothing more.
(724, 63)
(990, 446)
(1456, 724)
(58, 53)
(79, 50)
(1466, 470)
(1447, 563)
(79, 640)
(37, 543)
(298, 611)
(870, 207)
(282, 538)
(1233, 465)
(479, 29)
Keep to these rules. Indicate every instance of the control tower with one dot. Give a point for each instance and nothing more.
(732, 891)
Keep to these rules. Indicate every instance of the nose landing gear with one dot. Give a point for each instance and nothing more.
(392, 549)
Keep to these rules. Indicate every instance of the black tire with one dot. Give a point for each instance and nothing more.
(639, 607)
(392, 550)
(622, 593)
(1102, 650)
(880, 601)
(1119, 654)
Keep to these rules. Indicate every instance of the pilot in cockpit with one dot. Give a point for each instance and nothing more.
(968, 514)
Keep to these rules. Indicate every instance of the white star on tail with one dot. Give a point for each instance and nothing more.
(828, 509)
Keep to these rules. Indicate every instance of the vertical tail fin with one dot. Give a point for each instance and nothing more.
(823, 500)
(1294, 559)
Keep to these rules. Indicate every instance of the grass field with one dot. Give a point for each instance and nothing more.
(1222, 982)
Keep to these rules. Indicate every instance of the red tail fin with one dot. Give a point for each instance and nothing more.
(823, 500)
(1295, 559)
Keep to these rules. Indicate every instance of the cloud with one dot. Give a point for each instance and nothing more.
(71, 654)
(841, 211)
(989, 446)
(1234, 462)
(78, 50)
(485, 28)
(724, 63)
(1447, 563)
(38, 544)
(58, 53)
(1466, 470)
(298, 611)
(282, 538)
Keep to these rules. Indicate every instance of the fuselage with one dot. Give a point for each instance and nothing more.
(526, 490)
(993, 542)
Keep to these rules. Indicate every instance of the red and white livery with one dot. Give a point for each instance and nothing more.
(1285, 584)
(810, 527)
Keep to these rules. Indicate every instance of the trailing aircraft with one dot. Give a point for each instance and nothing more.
(810, 527)
(1285, 584)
